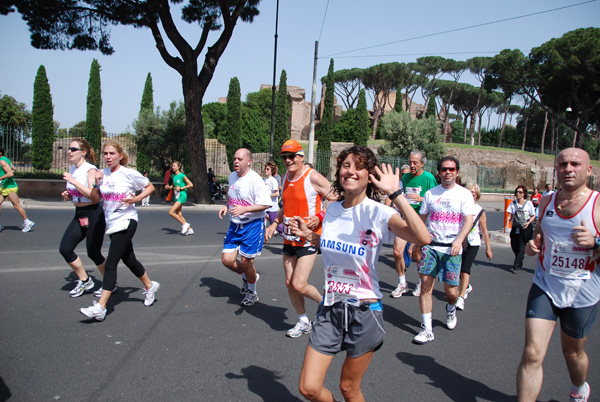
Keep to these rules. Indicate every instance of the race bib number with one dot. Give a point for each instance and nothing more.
(568, 260)
(287, 232)
(176, 193)
(413, 190)
(340, 283)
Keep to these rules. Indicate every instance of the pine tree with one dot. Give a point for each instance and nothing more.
(42, 122)
(324, 134)
(233, 134)
(282, 118)
(93, 118)
(363, 131)
(143, 161)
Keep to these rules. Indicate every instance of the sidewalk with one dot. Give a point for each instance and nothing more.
(494, 205)
(155, 203)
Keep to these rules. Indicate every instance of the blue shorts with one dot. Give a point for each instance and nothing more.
(444, 266)
(248, 238)
(575, 322)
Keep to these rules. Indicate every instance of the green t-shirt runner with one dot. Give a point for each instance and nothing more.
(417, 185)
(10, 182)
(179, 181)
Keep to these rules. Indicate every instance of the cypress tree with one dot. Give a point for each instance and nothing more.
(233, 138)
(282, 118)
(431, 108)
(93, 118)
(363, 131)
(143, 162)
(42, 122)
(325, 132)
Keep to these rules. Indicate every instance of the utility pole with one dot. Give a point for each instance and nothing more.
(311, 132)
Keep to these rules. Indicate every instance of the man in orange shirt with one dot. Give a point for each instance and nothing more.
(303, 190)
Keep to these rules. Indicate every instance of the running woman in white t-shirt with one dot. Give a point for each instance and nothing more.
(88, 222)
(117, 186)
(350, 317)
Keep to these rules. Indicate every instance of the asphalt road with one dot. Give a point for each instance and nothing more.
(197, 343)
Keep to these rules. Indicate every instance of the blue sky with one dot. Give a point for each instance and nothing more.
(348, 25)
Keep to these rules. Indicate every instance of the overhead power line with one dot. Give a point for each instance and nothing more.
(323, 23)
(420, 54)
(460, 29)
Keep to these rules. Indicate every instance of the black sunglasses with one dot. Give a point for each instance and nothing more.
(286, 157)
(73, 149)
(448, 169)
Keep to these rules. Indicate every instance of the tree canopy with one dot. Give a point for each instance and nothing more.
(85, 25)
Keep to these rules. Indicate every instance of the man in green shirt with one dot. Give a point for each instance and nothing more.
(415, 183)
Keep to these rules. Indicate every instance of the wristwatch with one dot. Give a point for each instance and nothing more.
(596, 243)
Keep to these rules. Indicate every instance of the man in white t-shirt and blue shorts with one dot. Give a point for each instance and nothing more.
(447, 210)
(247, 200)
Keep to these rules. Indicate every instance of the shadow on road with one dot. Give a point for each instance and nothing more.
(263, 383)
(454, 385)
(275, 317)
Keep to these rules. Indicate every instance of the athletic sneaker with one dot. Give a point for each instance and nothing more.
(581, 398)
(94, 311)
(244, 288)
(190, 231)
(184, 228)
(81, 287)
(460, 303)
(150, 293)
(399, 291)
(300, 328)
(450, 318)
(0, 228)
(417, 291)
(27, 226)
(426, 335)
(250, 299)
(469, 288)
(98, 292)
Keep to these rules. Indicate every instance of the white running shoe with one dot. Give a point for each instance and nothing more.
(300, 328)
(189, 232)
(469, 288)
(98, 293)
(581, 398)
(460, 303)
(450, 318)
(184, 228)
(94, 311)
(426, 335)
(399, 291)
(250, 299)
(417, 291)
(27, 226)
(150, 293)
(81, 287)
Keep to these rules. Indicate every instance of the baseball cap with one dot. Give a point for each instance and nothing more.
(291, 146)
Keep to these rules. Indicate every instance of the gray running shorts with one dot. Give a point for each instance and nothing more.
(355, 329)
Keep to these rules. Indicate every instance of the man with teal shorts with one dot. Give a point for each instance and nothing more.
(9, 188)
(447, 210)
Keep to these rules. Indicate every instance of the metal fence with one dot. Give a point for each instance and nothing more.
(17, 147)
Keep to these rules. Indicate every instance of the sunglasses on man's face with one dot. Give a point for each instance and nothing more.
(286, 157)
(448, 169)
(73, 149)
